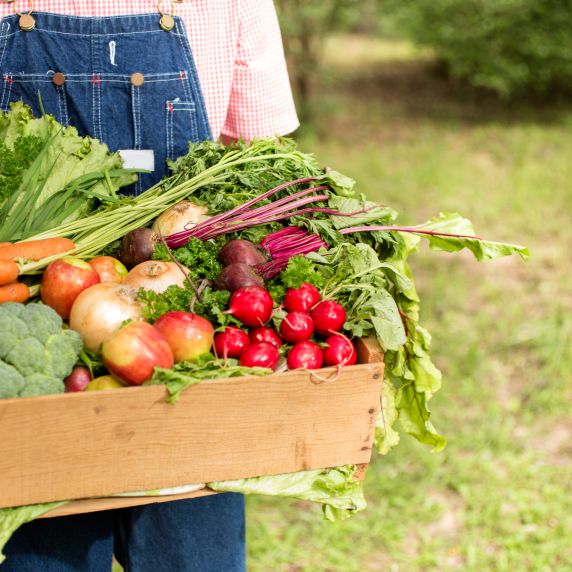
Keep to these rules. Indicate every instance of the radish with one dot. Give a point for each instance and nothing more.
(301, 299)
(296, 327)
(265, 334)
(251, 305)
(305, 355)
(329, 317)
(340, 351)
(260, 354)
(231, 342)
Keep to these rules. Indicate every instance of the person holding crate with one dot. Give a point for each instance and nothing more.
(145, 78)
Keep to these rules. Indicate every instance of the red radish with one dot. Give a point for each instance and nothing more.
(340, 351)
(231, 342)
(301, 299)
(296, 327)
(305, 355)
(329, 317)
(251, 305)
(265, 334)
(78, 379)
(261, 354)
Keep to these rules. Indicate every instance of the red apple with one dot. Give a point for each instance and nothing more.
(109, 269)
(78, 379)
(133, 352)
(63, 281)
(188, 335)
(103, 382)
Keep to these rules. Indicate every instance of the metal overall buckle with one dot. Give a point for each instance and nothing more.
(26, 22)
(167, 22)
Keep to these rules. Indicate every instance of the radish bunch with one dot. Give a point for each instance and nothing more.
(307, 316)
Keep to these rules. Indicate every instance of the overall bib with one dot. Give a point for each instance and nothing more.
(123, 80)
(134, 86)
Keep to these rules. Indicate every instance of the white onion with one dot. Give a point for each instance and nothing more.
(182, 216)
(156, 275)
(101, 309)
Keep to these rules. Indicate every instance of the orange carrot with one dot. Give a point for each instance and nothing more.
(36, 249)
(14, 292)
(8, 271)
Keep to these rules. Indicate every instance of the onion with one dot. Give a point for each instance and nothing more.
(157, 276)
(100, 310)
(182, 216)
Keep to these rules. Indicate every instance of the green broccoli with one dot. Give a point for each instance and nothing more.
(36, 352)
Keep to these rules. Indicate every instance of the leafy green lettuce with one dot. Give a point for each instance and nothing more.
(337, 490)
(49, 174)
(12, 518)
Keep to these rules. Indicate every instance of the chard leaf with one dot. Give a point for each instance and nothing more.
(454, 223)
(414, 417)
(386, 437)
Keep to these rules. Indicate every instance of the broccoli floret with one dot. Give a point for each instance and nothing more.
(36, 352)
(42, 322)
(13, 330)
(40, 384)
(11, 381)
(62, 351)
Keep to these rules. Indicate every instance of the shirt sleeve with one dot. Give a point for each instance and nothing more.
(261, 103)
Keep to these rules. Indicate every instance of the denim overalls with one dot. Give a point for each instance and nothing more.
(122, 79)
(134, 86)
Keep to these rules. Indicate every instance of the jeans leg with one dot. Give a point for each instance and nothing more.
(206, 534)
(78, 543)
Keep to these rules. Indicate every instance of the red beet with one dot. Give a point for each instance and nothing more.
(340, 351)
(301, 299)
(238, 275)
(261, 354)
(329, 317)
(306, 355)
(296, 327)
(240, 250)
(231, 342)
(265, 334)
(251, 305)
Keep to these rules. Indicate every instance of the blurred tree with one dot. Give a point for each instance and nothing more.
(305, 25)
(510, 46)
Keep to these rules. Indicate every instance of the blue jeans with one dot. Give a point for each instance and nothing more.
(199, 535)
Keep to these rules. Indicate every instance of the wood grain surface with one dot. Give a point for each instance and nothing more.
(77, 446)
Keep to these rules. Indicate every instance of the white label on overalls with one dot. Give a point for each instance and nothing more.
(140, 159)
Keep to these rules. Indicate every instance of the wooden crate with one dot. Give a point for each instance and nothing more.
(93, 445)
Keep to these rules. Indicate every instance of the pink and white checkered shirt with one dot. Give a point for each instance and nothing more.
(238, 52)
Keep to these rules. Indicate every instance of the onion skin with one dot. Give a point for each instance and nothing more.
(156, 276)
(238, 275)
(180, 217)
(240, 250)
(137, 246)
(100, 310)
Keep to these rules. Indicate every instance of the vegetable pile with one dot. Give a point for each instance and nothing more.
(247, 259)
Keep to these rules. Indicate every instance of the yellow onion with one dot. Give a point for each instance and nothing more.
(182, 216)
(156, 275)
(101, 309)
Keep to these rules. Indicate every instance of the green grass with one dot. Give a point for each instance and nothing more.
(500, 496)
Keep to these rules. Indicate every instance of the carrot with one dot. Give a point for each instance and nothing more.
(36, 249)
(14, 292)
(8, 271)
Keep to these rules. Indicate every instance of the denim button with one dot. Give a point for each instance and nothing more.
(59, 78)
(137, 79)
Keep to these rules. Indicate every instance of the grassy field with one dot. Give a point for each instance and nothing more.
(500, 496)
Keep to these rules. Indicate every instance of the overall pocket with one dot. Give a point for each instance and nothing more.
(38, 91)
